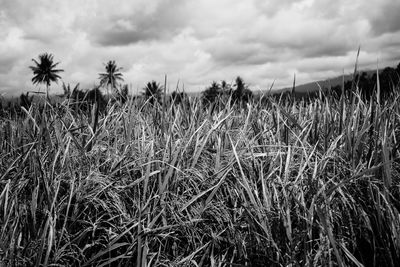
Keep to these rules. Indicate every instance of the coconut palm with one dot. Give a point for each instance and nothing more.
(242, 92)
(45, 71)
(240, 85)
(225, 86)
(153, 91)
(112, 75)
(211, 94)
(178, 97)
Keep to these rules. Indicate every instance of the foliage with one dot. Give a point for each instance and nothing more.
(225, 86)
(122, 96)
(25, 100)
(153, 92)
(286, 182)
(178, 97)
(111, 76)
(216, 92)
(366, 84)
(80, 100)
(282, 184)
(44, 71)
(67, 90)
(211, 94)
(242, 94)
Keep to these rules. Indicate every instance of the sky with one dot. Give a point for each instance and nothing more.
(195, 42)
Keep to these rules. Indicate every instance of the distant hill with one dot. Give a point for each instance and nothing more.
(315, 86)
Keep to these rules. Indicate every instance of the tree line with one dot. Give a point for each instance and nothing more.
(46, 71)
(382, 83)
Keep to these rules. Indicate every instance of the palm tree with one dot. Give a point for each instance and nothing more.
(178, 97)
(45, 71)
(242, 92)
(211, 93)
(153, 91)
(112, 75)
(240, 85)
(225, 86)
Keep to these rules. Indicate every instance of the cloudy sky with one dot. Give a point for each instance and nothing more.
(196, 41)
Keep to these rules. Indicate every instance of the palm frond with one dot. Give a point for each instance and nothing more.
(111, 76)
(44, 70)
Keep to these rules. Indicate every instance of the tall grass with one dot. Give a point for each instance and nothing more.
(279, 183)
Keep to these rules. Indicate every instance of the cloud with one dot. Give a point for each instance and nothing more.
(385, 17)
(197, 42)
(295, 29)
(7, 64)
(272, 7)
(159, 21)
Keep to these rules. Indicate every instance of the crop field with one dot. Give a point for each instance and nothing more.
(270, 182)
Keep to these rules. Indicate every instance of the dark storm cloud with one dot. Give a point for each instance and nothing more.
(311, 48)
(386, 18)
(239, 53)
(166, 21)
(270, 41)
(326, 49)
(146, 30)
(115, 37)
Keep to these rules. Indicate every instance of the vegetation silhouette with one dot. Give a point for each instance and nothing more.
(111, 76)
(44, 71)
(219, 92)
(367, 84)
(211, 94)
(67, 90)
(123, 94)
(26, 100)
(83, 100)
(153, 92)
(178, 97)
(242, 94)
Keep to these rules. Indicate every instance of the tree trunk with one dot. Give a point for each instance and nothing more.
(47, 93)
(108, 93)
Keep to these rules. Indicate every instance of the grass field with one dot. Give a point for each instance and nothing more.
(273, 183)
